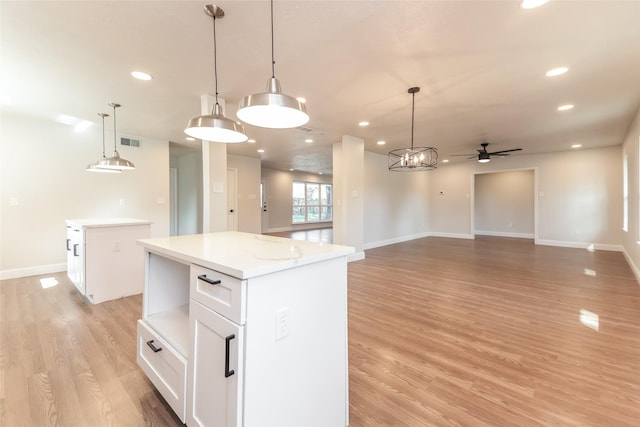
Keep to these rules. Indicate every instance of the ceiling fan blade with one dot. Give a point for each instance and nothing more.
(505, 151)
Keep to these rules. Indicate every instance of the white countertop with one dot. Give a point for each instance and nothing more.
(107, 222)
(243, 255)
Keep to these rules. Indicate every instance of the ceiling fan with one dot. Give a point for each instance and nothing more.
(484, 156)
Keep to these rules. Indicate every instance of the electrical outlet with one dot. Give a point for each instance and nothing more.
(282, 323)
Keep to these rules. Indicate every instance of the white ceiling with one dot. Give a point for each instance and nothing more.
(480, 66)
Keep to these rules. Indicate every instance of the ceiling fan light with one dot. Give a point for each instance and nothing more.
(484, 158)
(272, 109)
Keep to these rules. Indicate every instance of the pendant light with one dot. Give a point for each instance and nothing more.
(98, 166)
(272, 109)
(215, 126)
(414, 158)
(116, 162)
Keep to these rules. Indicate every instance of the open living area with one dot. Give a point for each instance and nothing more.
(450, 238)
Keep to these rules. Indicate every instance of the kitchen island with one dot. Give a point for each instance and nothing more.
(241, 329)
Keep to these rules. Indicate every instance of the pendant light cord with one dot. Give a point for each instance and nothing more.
(273, 60)
(103, 116)
(215, 57)
(413, 107)
(115, 145)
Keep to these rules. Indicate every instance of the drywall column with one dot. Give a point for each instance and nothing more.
(348, 184)
(214, 177)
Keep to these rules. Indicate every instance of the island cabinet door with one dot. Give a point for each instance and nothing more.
(75, 256)
(215, 369)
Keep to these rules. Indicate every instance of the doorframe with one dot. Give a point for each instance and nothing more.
(264, 194)
(234, 197)
(472, 198)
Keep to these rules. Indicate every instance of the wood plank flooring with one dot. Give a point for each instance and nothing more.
(485, 332)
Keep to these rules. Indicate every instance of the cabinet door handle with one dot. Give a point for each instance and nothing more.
(68, 241)
(153, 347)
(204, 278)
(75, 249)
(227, 372)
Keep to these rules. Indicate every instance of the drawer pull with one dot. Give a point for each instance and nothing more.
(68, 247)
(75, 249)
(204, 278)
(153, 347)
(227, 372)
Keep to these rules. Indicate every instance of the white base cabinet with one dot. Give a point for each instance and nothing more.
(103, 260)
(260, 324)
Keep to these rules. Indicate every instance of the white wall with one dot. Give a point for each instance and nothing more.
(249, 209)
(503, 204)
(43, 169)
(189, 168)
(395, 203)
(280, 201)
(631, 237)
(579, 196)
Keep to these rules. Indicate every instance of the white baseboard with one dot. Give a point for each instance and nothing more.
(32, 271)
(452, 235)
(357, 256)
(505, 234)
(395, 240)
(634, 267)
(301, 227)
(581, 245)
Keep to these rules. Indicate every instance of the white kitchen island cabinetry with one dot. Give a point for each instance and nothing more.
(258, 323)
(103, 260)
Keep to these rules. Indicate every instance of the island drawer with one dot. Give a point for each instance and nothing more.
(164, 366)
(221, 293)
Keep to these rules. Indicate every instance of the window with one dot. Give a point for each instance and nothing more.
(312, 202)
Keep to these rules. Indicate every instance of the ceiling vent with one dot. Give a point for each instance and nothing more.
(130, 142)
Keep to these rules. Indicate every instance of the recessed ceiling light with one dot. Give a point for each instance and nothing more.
(190, 139)
(308, 141)
(576, 146)
(445, 161)
(304, 101)
(531, 4)
(251, 141)
(381, 142)
(556, 71)
(141, 75)
(565, 107)
(363, 124)
(290, 170)
(319, 173)
(261, 151)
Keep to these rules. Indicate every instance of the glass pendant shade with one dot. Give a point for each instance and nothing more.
(216, 127)
(99, 165)
(415, 158)
(272, 109)
(116, 162)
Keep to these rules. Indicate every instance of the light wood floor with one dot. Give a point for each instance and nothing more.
(441, 332)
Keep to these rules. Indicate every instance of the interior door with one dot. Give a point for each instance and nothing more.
(232, 199)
